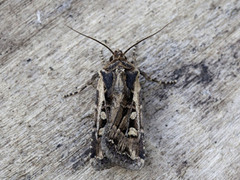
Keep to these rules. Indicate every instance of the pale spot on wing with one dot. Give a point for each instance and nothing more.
(133, 115)
(103, 115)
(132, 132)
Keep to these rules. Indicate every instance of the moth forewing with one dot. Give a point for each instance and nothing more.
(122, 137)
(136, 99)
(100, 101)
(99, 161)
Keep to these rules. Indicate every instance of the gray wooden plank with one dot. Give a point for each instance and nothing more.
(191, 128)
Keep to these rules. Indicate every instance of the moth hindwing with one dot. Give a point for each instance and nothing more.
(117, 137)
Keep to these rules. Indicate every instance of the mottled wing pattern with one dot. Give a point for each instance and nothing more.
(118, 133)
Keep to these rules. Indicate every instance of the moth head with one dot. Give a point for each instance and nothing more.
(119, 55)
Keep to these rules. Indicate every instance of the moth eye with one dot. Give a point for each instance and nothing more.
(103, 115)
(100, 132)
(133, 115)
(132, 132)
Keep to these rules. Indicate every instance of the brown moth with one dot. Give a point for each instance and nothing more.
(118, 137)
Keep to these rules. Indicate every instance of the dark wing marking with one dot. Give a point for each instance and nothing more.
(107, 79)
(130, 79)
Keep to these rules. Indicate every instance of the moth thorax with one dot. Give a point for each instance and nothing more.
(119, 84)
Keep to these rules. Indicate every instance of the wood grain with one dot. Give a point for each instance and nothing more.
(192, 128)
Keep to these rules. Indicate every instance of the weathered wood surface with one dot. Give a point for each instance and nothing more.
(192, 129)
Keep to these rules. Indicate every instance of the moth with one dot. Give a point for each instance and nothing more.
(118, 136)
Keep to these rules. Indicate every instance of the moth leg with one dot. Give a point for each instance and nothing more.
(133, 60)
(135, 54)
(102, 57)
(89, 82)
(154, 80)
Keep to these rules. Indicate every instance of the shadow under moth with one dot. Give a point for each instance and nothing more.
(118, 136)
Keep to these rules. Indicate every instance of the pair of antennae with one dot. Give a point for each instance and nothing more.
(129, 47)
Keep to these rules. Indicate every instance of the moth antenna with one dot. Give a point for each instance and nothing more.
(147, 37)
(91, 38)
